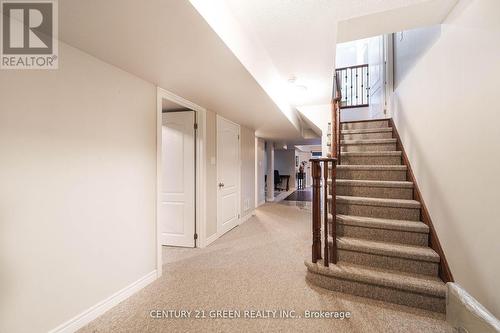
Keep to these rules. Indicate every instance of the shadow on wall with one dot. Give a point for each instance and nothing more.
(422, 40)
(435, 198)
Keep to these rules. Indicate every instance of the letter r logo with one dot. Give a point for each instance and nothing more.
(27, 27)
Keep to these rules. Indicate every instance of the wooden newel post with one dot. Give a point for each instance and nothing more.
(316, 211)
(326, 260)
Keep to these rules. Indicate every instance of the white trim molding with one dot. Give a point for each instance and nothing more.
(211, 239)
(465, 314)
(247, 216)
(95, 311)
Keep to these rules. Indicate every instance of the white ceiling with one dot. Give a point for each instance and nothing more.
(299, 37)
(354, 8)
(414, 14)
(170, 45)
(239, 62)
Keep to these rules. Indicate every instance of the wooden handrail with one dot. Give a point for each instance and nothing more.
(336, 101)
(326, 164)
(355, 66)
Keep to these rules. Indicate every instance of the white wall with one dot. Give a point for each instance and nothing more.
(320, 116)
(211, 181)
(77, 194)
(446, 111)
(284, 162)
(407, 57)
(352, 53)
(247, 151)
(355, 114)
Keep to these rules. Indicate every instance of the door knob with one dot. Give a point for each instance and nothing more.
(221, 185)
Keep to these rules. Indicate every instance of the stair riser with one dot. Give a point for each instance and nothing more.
(372, 174)
(366, 136)
(375, 192)
(371, 160)
(369, 147)
(382, 235)
(365, 125)
(380, 293)
(385, 262)
(397, 213)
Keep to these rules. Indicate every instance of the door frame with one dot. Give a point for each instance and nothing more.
(218, 118)
(381, 40)
(389, 73)
(200, 165)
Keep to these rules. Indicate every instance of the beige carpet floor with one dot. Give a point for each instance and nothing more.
(256, 266)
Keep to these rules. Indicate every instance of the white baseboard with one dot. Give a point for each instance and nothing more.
(216, 236)
(247, 217)
(211, 239)
(261, 203)
(95, 311)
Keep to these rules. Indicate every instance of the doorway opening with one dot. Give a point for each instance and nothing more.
(181, 172)
(363, 75)
(177, 205)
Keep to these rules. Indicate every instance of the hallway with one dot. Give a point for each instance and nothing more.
(257, 266)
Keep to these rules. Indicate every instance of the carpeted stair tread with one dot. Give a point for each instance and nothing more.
(366, 130)
(372, 167)
(374, 123)
(380, 223)
(397, 203)
(416, 283)
(420, 253)
(374, 183)
(367, 141)
(371, 153)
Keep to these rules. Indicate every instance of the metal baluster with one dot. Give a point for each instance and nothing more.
(362, 85)
(350, 70)
(346, 86)
(368, 85)
(357, 90)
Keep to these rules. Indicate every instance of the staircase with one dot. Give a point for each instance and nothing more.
(382, 247)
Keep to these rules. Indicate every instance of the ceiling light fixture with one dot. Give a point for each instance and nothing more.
(296, 90)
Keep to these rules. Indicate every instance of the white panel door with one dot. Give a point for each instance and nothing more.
(177, 224)
(376, 76)
(228, 175)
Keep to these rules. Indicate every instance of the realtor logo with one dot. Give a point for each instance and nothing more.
(29, 34)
